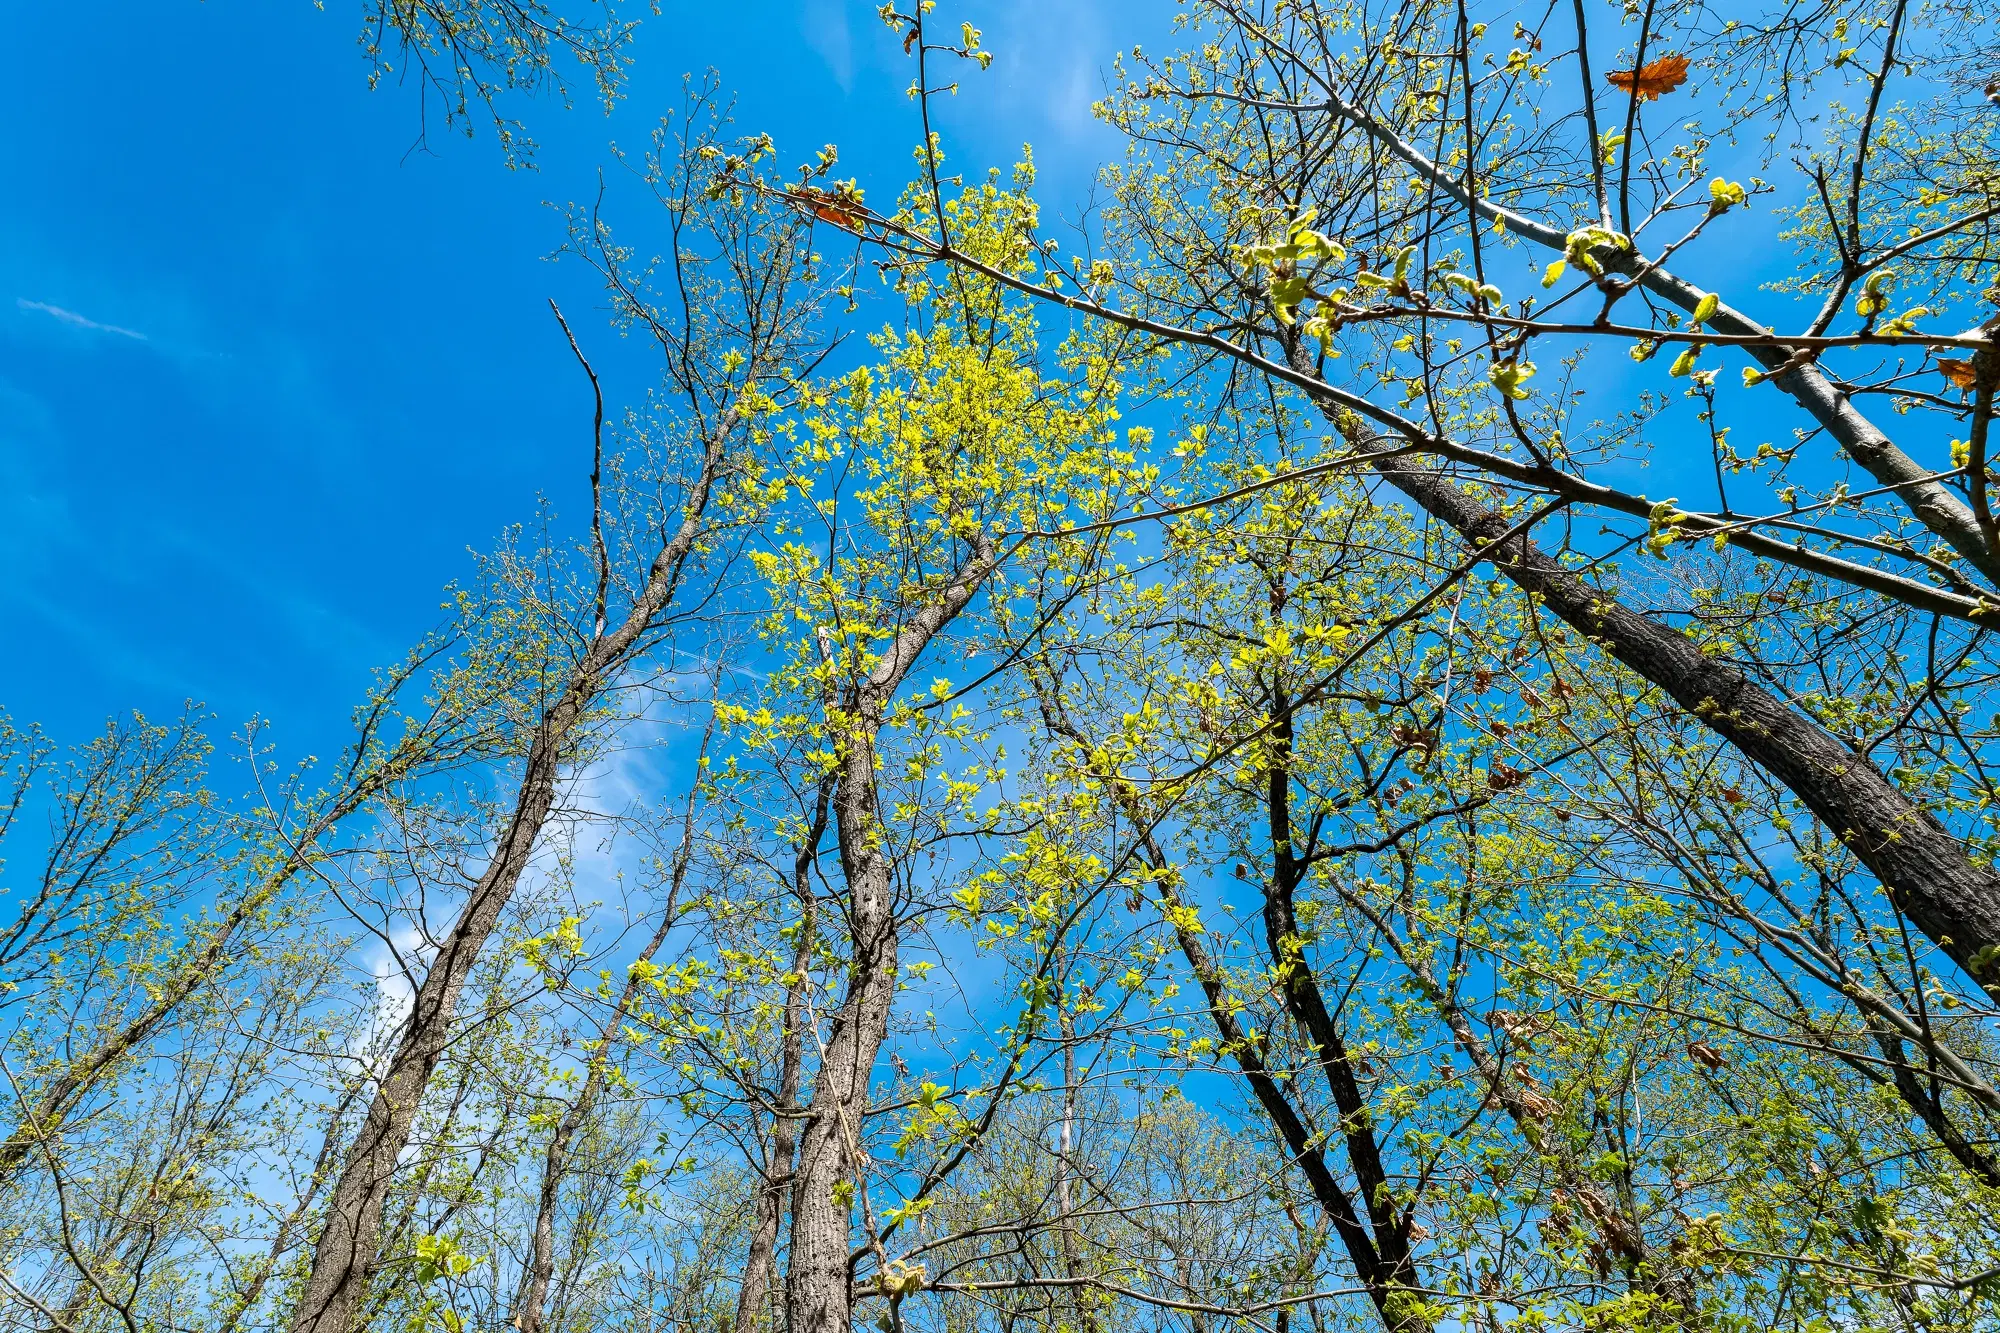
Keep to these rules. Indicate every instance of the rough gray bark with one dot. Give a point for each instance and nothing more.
(818, 1298)
(1929, 875)
(346, 1252)
(760, 1264)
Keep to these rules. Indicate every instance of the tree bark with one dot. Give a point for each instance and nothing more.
(346, 1253)
(1082, 1318)
(1620, 1232)
(760, 1264)
(1926, 869)
(1384, 1276)
(1308, 1008)
(818, 1297)
(530, 1302)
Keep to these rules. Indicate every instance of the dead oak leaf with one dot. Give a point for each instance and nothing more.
(1706, 1054)
(1651, 80)
(1960, 373)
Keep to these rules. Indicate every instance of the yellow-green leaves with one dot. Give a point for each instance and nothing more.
(971, 49)
(1302, 245)
(1904, 324)
(1465, 282)
(1287, 295)
(1511, 377)
(1874, 298)
(1663, 523)
(1724, 195)
(1553, 273)
(440, 1256)
(1705, 309)
(1685, 361)
(936, 1116)
(1583, 246)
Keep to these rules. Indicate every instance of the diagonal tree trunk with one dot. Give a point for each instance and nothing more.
(1619, 1231)
(531, 1301)
(1929, 875)
(1385, 1271)
(346, 1252)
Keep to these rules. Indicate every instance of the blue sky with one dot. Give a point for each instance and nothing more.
(265, 374)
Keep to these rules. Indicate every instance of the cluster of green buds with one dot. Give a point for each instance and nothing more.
(1301, 243)
(1663, 523)
(1906, 323)
(1465, 282)
(1704, 310)
(1511, 377)
(1874, 298)
(1397, 281)
(1580, 248)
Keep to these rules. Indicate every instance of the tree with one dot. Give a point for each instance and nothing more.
(1220, 802)
(734, 366)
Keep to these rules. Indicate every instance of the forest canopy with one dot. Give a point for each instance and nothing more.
(1151, 762)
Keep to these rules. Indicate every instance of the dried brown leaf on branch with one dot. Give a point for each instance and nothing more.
(1707, 1054)
(1960, 373)
(828, 206)
(1652, 80)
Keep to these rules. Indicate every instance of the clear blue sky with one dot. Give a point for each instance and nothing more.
(265, 376)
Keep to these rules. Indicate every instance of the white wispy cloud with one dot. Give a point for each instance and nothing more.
(826, 30)
(80, 321)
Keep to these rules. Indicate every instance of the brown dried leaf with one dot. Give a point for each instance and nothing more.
(1960, 373)
(1707, 1054)
(1651, 80)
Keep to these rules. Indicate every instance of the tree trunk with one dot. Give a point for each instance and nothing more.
(1308, 1008)
(1082, 1318)
(1618, 1230)
(530, 1302)
(818, 1298)
(1926, 869)
(346, 1253)
(760, 1264)
(1382, 1275)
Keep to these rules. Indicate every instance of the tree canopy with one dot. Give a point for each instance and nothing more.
(1163, 765)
